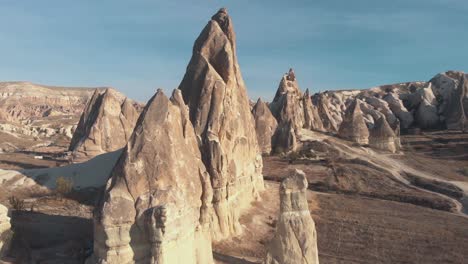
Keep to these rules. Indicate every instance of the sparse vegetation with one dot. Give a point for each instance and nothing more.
(63, 187)
(16, 203)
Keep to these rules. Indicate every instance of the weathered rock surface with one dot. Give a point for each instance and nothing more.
(312, 118)
(214, 90)
(323, 105)
(295, 240)
(5, 232)
(105, 125)
(285, 139)
(353, 127)
(426, 113)
(265, 125)
(157, 203)
(396, 105)
(382, 136)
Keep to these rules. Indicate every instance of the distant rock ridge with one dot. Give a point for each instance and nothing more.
(295, 239)
(157, 204)
(265, 125)
(214, 90)
(105, 125)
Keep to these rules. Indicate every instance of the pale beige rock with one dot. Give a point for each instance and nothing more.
(214, 90)
(382, 136)
(157, 203)
(329, 122)
(312, 118)
(265, 125)
(397, 107)
(353, 127)
(295, 240)
(5, 232)
(426, 114)
(105, 125)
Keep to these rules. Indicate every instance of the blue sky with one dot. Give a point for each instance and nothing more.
(137, 46)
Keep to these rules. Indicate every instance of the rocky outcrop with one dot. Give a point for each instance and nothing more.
(383, 137)
(214, 90)
(396, 105)
(5, 232)
(285, 140)
(157, 203)
(353, 127)
(295, 240)
(426, 112)
(311, 116)
(265, 125)
(323, 106)
(105, 125)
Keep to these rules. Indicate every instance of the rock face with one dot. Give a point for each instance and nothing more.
(397, 107)
(157, 203)
(426, 113)
(455, 105)
(382, 136)
(295, 240)
(353, 127)
(105, 125)
(5, 233)
(323, 105)
(284, 139)
(214, 90)
(312, 118)
(265, 125)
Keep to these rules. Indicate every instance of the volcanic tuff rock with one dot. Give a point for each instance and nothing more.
(157, 203)
(105, 125)
(5, 232)
(284, 140)
(426, 113)
(311, 116)
(295, 240)
(328, 120)
(396, 105)
(354, 127)
(265, 125)
(214, 90)
(382, 136)
(23, 101)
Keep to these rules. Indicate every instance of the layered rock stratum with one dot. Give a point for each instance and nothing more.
(105, 125)
(215, 92)
(157, 204)
(295, 239)
(265, 125)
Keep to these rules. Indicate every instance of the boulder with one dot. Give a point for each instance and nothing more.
(214, 90)
(157, 204)
(353, 127)
(5, 232)
(265, 125)
(295, 239)
(312, 119)
(105, 125)
(382, 136)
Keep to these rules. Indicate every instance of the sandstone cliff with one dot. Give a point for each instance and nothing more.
(214, 90)
(295, 240)
(157, 203)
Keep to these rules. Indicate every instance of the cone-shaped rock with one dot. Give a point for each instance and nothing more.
(295, 240)
(214, 90)
(265, 125)
(382, 136)
(5, 232)
(284, 140)
(105, 125)
(353, 127)
(426, 112)
(323, 104)
(397, 107)
(456, 111)
(311, 116)
(155, 208)
(287, 104)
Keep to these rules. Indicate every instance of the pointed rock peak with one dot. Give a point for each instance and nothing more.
(382, 129)
(307, 94)
(224, 21)
(291, 76)
(259, 101)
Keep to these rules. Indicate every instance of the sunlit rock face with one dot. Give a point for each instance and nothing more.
(5, 232)
(295, 240)
(157, 204)
(353, 127)
(265, 125)
(214, 90)
(312, 118)
(105, 125)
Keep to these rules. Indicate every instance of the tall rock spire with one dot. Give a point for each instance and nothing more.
(214, 90)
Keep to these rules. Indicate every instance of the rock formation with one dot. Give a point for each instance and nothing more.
(426, 112)
(5, 232)
(323, 105)
(214, 90)
(295, 240)
(353, 127)
(382, 136)
(311, 116)
(157, 203)
(265, 125)
(400, 111)
(284, 140)
(105, 125)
